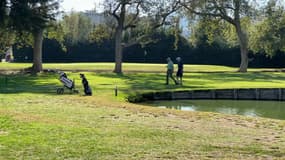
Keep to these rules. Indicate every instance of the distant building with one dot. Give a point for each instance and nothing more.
(96, 18)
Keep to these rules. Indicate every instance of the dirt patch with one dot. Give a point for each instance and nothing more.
(9, 72)
(3, 133)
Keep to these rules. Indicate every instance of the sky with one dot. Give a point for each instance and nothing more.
(80, 5)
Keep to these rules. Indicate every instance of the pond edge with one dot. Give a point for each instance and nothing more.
(274, 94)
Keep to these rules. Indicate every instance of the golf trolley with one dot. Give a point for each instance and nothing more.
(67, 83)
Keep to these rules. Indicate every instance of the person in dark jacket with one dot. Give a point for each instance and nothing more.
(179, 73)
(87, 89)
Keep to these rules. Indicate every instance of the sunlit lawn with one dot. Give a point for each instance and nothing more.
(142, 67)
(36, 123)
(142, 82)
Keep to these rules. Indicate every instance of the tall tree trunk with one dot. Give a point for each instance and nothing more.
(244, 59)
(118, 39)
(243, 41)
(37, 52)
(118, 50)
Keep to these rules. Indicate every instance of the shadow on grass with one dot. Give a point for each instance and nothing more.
(139, 82)
(260, 77)
(47, 83)
(149, 82)
(27, 83)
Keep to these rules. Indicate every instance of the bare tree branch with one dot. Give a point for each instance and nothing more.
(113, 12)
(164, 16)
(132, 22)
(199, 12)
(221, 14)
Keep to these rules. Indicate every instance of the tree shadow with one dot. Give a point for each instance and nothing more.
(28, 83)
(242, 77)
(47, 83)
(146, 82)
(142, 82)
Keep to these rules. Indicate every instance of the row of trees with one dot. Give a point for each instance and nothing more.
(256, 26)
(251, 25)
(236, 14)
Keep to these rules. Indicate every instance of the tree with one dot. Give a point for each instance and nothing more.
(77, 28)
(231, 11)
(208, 31)
(33, 16)
(7, 35)
(100, 33)
(127, 14)
(7, 38)
(3, 9)
(268, 34)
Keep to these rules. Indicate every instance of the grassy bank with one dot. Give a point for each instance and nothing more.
(35, 123)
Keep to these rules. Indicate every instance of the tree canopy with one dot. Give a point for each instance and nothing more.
(268, 34)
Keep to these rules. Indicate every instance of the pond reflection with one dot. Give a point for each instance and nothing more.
(268, 109)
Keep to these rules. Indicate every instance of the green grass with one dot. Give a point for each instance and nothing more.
(142, 82)
(35, 123)
(128, 67)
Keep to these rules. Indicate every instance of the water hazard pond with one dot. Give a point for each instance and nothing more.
(267, 109)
